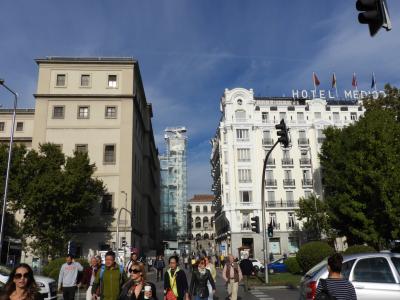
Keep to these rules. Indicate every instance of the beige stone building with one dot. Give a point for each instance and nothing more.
(98, 105)
(23, 130)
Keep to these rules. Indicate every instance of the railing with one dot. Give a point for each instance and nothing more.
(289, 182)
(245, 226)
(282, 204)
(267, 142)
(276, 226)
(287, 161)
(307, 182)
(292, 226)
(270, 182)
(305, 161)
(303, 142)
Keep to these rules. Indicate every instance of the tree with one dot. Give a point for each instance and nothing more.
(314, 212)
(56, 195)
(361, 174)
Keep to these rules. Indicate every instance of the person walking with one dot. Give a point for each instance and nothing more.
(159, 264)
(137, 287)
(232, 276)
(246, 266)
(186, 261)
(134, 258)
(109, 279)
(67, 278)
(21, 285)
(175, 282)
(89, 275)
(211, 267)
(200, 279)
(335, 285)
(149, 263)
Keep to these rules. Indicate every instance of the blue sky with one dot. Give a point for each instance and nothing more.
(191, 50)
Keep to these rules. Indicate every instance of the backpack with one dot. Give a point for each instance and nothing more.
(324, 294)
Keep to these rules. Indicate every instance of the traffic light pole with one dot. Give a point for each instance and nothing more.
(264, 220)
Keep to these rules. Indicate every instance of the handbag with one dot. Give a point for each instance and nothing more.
(170, 295)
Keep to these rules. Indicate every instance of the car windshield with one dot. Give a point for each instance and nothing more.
(4, 270)
(314, 270)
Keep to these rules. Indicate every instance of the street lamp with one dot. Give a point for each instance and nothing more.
(3, 213)
(126, 209)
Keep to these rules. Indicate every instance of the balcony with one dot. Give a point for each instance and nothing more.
(267, 142)
(287, 162)
(246, 204)
(245, 227)
(292, 226)
(270, 183)
(271, 162)
(307, 182)
(303, 142)
(305, 162)
(277, 226)
(282, 204)
(289, 182)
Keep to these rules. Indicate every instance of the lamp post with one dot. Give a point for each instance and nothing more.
(126, 209)
(3, 212)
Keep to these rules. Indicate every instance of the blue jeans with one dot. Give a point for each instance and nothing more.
(199, 298)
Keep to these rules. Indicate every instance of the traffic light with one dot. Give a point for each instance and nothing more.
(375, 14)
(270, 230)
(255, 225)
(283, 135)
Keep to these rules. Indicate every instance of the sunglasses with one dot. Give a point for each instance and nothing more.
(19, 275)
(134, 271)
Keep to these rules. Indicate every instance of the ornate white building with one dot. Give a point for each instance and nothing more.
(245, 134)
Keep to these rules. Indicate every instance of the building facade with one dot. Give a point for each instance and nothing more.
(245, 134)
(98, 105)
(23, 130)
(174, 185)
(201, 226)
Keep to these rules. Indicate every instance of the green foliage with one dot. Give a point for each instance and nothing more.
(361, 174)
(52, 269)
(313, 212)
(57, 194)
(355, 249)
(312, 253)
(292, 265)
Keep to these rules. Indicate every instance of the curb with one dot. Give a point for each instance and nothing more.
(277, 287)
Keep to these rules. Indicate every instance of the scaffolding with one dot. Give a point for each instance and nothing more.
(174, 185)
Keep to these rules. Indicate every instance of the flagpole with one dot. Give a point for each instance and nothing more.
(337, 95)
(356, 85)
(373, 74)
(315, 86)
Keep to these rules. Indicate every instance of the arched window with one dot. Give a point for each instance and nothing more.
(197, 208)
(205, 208)
(206, 236)
(212, 222)
(198, 222)
(205, 222)
(198, 236)
(240, 115)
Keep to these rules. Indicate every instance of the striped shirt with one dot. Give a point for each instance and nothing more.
(341, 289)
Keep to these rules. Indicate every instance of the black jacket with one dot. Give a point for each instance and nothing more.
(246, 266)
(125, 288)
(198, 284)
(181, 283)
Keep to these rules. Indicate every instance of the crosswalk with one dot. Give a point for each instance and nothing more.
(260, 294)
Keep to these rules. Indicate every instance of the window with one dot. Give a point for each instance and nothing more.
(300, 117)
(240, 115)
(225, 157)
(111, 112)
(396, 262)
(198, 209)
(288, 174)
(2, 125)
(112, 81)
(346, 268)
(317, 115)
(246, 221)
(81, 148)
(336, 116)
(264, 117)
(245, 196)
(353, 116)
(198, 222)
(374, 269)
(61, 80)
(269, 175)
(282, 115)
(205, 222)
(286, 154)
(244, 175)
(275, 244)
(271, 196)
(85, 80)
(107, 204)
(83, 112)
(58, 112)
(307, 194)
(289, 196)
(272, 219)
(59, 146)
(109, 154)
(20, 126)
(291, 223)
(242, 134)
(226, 178)
(205, 208)
(293, 245)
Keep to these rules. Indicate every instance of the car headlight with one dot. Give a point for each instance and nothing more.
(40, 284)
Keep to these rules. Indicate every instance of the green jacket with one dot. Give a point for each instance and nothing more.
(109, 287)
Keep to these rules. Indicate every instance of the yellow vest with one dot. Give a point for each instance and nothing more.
(172, 281)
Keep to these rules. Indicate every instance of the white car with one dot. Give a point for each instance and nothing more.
(257, 265)
(47, 285)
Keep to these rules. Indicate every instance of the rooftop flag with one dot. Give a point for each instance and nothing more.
(354, 81)
(334, 81)
(316, 80)
(373, 83)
